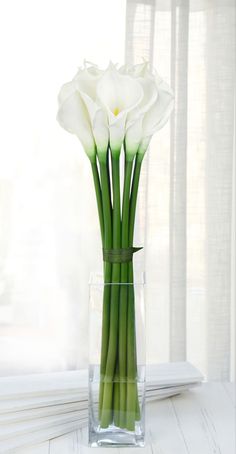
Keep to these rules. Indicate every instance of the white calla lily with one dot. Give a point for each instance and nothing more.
(133, 138)
(158, 114)
(149, 97)
(154, 118)
(92, 68)
(117, 133)
(101, 133)
(66, 90)
(140, 70)
(86, 82)
(124, 69)
(143, 146)
(135, 117)
(73, 116)
(119, 94)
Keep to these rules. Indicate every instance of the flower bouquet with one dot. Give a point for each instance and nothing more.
(114, 113)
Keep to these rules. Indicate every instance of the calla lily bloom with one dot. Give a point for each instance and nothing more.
(134, 133)
(152, 113)
(119, 94)
(158, 114)
(73, 116)
(106, 108)
(86, 82)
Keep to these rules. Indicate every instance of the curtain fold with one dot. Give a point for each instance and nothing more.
(188, 185)
(219, 163)
(178, 180)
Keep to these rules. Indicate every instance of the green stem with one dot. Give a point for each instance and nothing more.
(106, 418)
(133, 411)
(107, 243)
(116, 396)
(124, 295)
(131, 359)
(98, 193)
(134, 195)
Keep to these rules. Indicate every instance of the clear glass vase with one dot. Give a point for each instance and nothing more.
(116, 363)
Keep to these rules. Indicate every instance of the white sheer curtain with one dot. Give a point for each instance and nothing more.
(49, 233)
(189, 181)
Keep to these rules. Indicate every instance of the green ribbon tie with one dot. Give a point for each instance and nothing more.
(122, 255)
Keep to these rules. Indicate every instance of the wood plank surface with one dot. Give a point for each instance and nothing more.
(41, 448)
(200, 421)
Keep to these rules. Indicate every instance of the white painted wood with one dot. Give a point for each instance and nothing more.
(37, 403)
(15, 426)
(230, 389)
(206, 420)
(66, 444)
(41, 448)
(43, 384)
(200, 421)
(14, 430)
(11, 405)
(18, 416)
(219, 416)
(163, 432)
(10, 446)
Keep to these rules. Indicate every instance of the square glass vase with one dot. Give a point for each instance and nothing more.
(117, 372)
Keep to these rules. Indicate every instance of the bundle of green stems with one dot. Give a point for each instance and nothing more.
(118, 393)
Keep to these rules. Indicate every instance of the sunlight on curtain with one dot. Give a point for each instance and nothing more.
(188, 179)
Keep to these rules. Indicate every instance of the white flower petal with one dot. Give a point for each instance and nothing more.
(150, 94)
(66, 91)
(72, 116)
(134, 129)
(99, 123)
(125, 69)
(118, 93)
(140, 70)
(160, 111)
(92, 68)
(100, 131)
(92, 107)
(144, 144)
(133, 137)
(86, 84)
(117, 133)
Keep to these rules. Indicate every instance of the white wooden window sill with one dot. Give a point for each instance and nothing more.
(199, 421)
